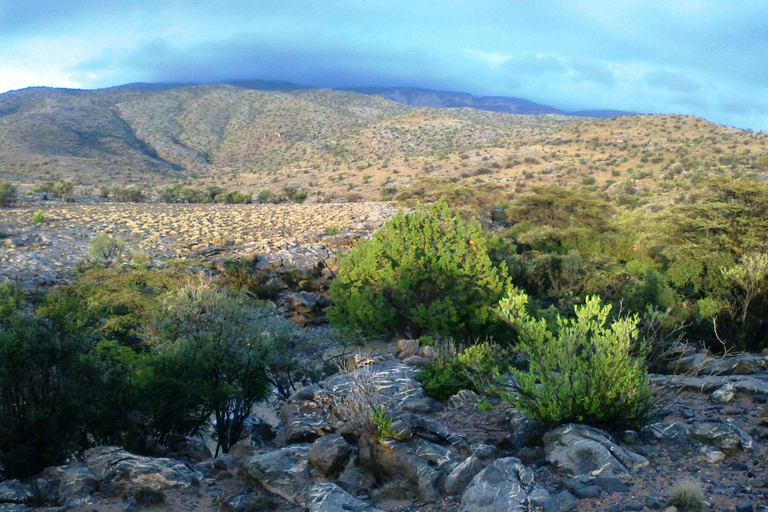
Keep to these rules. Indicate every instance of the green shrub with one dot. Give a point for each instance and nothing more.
(106, 250)
(451, 372)
(584, 371)
(268, 197)
(422, 272)
(38, 217)
(331, 230)
(7, 193)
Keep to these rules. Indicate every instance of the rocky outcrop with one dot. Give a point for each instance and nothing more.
(309, 413)
(284, 472)
(119, 472)
(576, 450)
(505, 485)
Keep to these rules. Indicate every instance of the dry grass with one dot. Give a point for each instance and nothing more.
(687, 494)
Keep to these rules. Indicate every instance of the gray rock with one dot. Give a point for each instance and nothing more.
(560, 502)
(752, 384)
(329, 454)
(724, 394)
(707, 364)
(192, 448)
(575, 449)
(329, 497)
(119, 471)
(401, 430)
(589, 491)
(726, 437)
(284, 472)
(504, 486)
(465, 399)
(71, 482)
(14, 491)
(407, 461)
(458, 479)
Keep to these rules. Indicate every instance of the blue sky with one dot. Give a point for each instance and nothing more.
(705, 58)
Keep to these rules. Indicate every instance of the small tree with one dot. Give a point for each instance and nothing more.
(63, 190)
(106, 249)
(214, 342)
(422, 272)
(585, 371)
(7, 193)
(750, 275)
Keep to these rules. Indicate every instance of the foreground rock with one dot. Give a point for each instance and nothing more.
(506, 485)
(329, 497)
(284, 472)
(576, 450)
(308, 414)
(120, 472)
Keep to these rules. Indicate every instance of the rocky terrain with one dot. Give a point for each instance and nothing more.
(43, 254)
(447, 456)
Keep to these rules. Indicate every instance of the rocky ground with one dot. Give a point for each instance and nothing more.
(448, 456)
(43, 254)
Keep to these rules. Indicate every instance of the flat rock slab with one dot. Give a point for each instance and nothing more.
(724, 436)
(751, 384)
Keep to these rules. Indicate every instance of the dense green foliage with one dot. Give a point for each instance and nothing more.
(586, 370)
(136, 357)
(422, 272)
(178, 193)
(453, 371)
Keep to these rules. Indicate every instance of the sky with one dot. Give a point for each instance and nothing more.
(703, 58)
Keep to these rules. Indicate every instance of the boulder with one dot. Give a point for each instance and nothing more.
(726, 437)
(724, 394)
(504, 486)
(329, 454)
(70, 483)
(309, 413)
(192, 448)
(119, 471)
(329, 497)
(575, 450)
(408, 461)
(14, 491)
(284, 472)
(464, 400)
(458, 479)
(406, 349)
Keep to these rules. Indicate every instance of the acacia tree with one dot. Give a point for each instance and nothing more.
(422, 272)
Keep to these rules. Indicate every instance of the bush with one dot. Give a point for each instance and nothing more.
(7, 193)
(213, 345)
(41, 389)
(267, 197)
(584, 371)
(38, 217)
(422, 272)
(451, 372)
(106, 250)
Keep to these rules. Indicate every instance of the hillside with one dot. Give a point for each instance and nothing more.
(341, 144)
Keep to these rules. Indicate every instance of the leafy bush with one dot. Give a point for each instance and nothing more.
(7, 193)
(42, 385)
(422, 272)
(451, 372)
(38, 217)
(584, 371)
(213, 346)
(106, 250)
(268, 197)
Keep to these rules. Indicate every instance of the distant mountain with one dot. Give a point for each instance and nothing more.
(416, 97)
